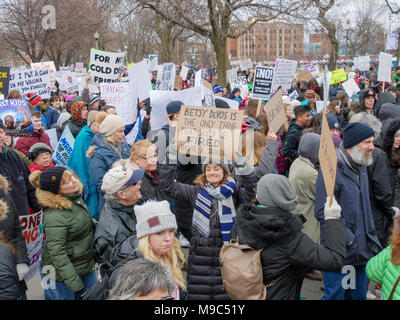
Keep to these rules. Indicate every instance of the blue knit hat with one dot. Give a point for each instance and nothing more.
(333, 121)
(356, 132)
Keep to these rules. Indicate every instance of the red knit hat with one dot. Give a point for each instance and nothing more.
(33, 98)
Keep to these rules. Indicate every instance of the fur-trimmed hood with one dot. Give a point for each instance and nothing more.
(55, 201)
(259, 226)
(4, 185)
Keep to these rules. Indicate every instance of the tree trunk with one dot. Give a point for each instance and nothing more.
(398, 50)
(223, 63)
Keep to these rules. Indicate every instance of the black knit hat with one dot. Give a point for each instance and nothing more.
(50, 179)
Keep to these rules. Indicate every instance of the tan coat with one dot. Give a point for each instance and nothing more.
(303, 176)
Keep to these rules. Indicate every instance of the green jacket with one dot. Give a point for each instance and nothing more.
(396, 80)
(382, 271)
(69, 237)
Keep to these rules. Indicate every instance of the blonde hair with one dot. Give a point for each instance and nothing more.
(202, 179)
(174, 259)
(253, 144)
(141, 148)
(100, 117)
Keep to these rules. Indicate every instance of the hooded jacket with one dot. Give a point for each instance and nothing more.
(286, 251)
(387, 107)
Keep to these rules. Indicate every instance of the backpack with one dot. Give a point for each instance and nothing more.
(242, 273)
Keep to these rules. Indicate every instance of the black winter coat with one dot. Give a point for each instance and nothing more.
(288, 252)
(386, 107)
(10, 288)
(381, 192)
(204, 280)
(76, 127)
(150, 190)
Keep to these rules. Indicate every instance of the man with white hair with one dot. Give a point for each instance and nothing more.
(352, 194)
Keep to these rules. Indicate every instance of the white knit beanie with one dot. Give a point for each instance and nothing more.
(111, 125)
(153, 217)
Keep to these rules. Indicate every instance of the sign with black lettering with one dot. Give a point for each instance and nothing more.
(209, 132)
(31, 81)
(105, 67)
(262, 86)
(275, 112)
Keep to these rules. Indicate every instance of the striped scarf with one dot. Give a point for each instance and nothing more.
(226, 208)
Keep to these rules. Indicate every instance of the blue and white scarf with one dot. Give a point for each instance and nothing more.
(226, 208)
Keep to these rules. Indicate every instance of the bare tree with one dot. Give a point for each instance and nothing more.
(395, 9)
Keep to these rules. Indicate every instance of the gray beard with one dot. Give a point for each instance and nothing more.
(358, 157)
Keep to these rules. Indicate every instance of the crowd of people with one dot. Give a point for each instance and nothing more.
(122, 213)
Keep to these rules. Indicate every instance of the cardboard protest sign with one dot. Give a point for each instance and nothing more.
(139, 80)
(52, 71)
(275, 112)
(262, 87)
(178, 83)
(160, 99)
(234, 105)
(241, 83)
(338, 76)
(385, 67)
(64, 148)
(245, 64)
(305, 76)
(284, 74)
(209, 132)
(4, 80)
(31, 81)
(153, 62)
(327, 158)
(351, 87)
(120, 96)
(166, 78)
(105, 67)
(361, 63)
(32, 230)
(184, 72)
(16, 117)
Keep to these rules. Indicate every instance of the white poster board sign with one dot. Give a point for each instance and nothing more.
(153, 62)
(139, 80)
(241, 83)
(232, 103)
(184, 72)
(385, 67)
(351, 87)
(166, 78)
(31, 81)
(284, 74)
(361, 63)
(52, 68)
(245, 64)
(105, 67)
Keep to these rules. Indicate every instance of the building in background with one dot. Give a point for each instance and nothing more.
(319, 44)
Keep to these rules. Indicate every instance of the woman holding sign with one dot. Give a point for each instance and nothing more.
(213, 196)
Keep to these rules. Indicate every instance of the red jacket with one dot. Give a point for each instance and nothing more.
(25, 143)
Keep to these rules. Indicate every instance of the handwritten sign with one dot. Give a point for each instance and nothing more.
(52, 71)
(284, 74)
(275, 111)
(166, 78)
(64, 148)
(361, 63)
(351, 87)
(385, 67)
(262, 87)
(327, 158)
(241, 83)
(209, 132)
(338, 76)
(31, 81)
(105, 67)
(305, 76)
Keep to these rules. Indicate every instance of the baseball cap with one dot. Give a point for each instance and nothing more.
(117, 178)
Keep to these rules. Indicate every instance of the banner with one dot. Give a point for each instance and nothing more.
(283, 75)
(241, 83)
(16, 117)
(209, 132)
(385, 67)
(122, 98)
(105, 67)
(338, 76)
(52, 71)
(166, 78)
(275, 112)
(139, 80)
(4, 80)
(31, 81)
(262, 87)
(32, 230)
(64, 148)
(361, 63)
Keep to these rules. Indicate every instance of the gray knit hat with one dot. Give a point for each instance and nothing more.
(37, 149)
(224, 166)
(276, 191)
(153, 217)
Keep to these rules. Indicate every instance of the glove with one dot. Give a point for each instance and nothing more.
(333, 211)
(22, 270)
(240, 160)
(240, 165)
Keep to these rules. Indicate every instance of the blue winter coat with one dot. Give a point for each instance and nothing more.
(352, 194)
(102, 160)
(51, 116)
(79, 162)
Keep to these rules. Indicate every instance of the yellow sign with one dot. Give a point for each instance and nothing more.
(338, 76)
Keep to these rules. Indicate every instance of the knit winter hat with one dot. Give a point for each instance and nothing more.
(64, 116)
(222, 165)
(92, 117)
(276, 191)
(37, 149)
(333, 121)
(76, 110)
(33, 98)
(153, 217)
(50, 179)
(111, 125)
(93, 98)
(356, 132)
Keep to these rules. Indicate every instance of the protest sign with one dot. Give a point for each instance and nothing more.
(326, 80)
(105, 67)
(361, 63)
(139, 80)
(153, 62)
(275, 112)
(131, 136)
(351, 87)
(166, 78)
(208, 97)
(79, 66)
(305, 76)
(294, 95)
(16, 117)
(385, 67)
(245, 64)
(178, 83)
(160, 99)
(68, 81)
(338, 76)
(4, 80)
(241, 83)
(327, 158)
(32, 230)
(283, 75)
(197, 79)
(52, 133)
(120, 96)
(392, 41)
(184, 72)
(262, 87)
(64, 148)
(232, 73)
(52, 71)
(234, 105)
(312, 68)
(31, 81)
(209, 132)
